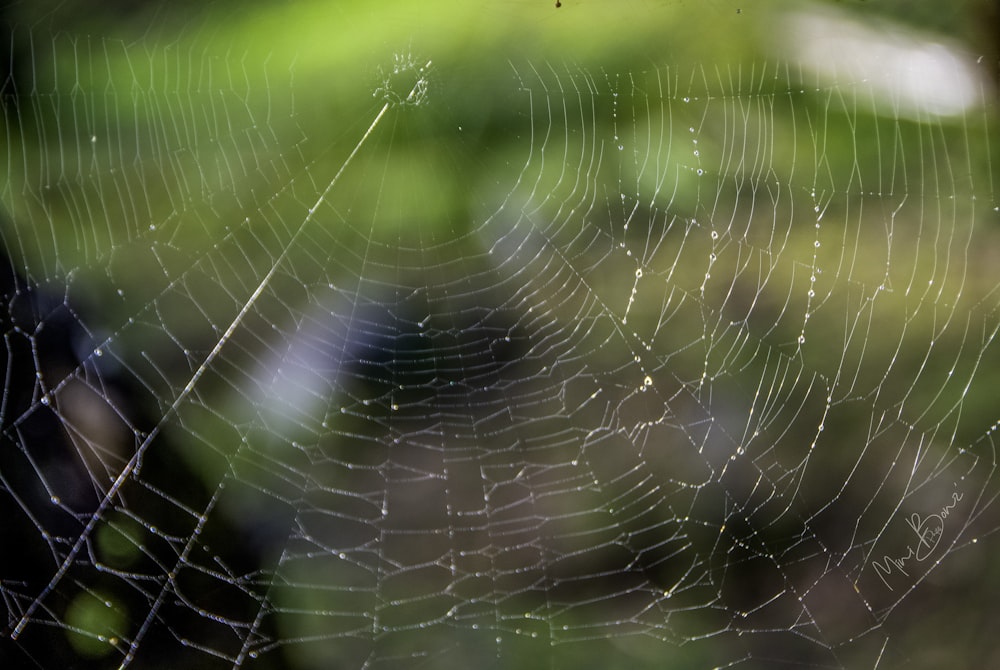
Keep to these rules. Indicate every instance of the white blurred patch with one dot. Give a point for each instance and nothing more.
(907, 73)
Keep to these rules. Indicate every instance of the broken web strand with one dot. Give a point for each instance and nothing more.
(134, 464)
(404, 66)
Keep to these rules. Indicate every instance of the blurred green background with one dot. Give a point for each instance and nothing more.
(772, 250)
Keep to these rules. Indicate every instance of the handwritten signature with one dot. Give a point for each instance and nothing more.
(928, 530)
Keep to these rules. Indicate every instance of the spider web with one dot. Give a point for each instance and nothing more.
(537, 364)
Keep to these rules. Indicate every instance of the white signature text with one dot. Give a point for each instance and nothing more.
(928, 531)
